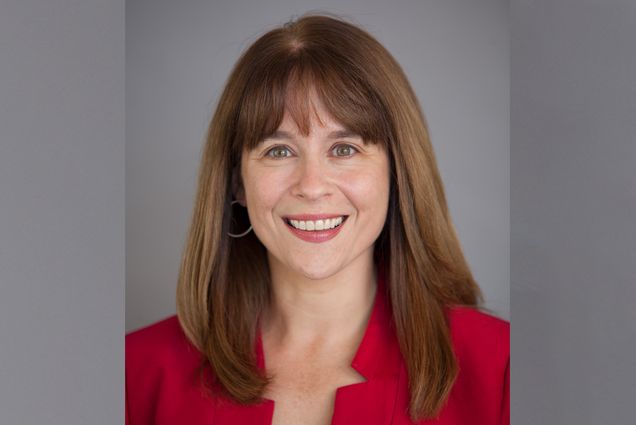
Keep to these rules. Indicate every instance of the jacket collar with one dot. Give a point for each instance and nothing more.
(377, 359)
(378, 353)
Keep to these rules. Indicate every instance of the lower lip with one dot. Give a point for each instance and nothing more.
(316, 236)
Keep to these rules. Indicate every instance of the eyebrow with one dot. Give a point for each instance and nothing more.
(338, 134)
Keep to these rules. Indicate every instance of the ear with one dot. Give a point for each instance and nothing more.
(238, 192)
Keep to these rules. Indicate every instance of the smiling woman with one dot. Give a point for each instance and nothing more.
(343, 295)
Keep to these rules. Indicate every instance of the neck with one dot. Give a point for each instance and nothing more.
(306, 311)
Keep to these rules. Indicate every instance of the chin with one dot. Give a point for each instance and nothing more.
(317, 273)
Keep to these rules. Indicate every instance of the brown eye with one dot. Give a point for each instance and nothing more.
(344, 150)
(278, 152)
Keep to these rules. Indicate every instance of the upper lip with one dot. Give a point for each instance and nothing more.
(312, 217)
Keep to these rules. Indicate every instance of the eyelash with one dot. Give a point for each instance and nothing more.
(353, 148)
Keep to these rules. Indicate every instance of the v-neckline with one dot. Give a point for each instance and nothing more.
(377, 360)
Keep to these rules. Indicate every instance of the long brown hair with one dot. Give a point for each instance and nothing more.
(224, 282)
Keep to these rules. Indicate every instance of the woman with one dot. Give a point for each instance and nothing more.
(322, 280)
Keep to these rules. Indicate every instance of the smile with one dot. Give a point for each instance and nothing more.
(318, 230)
(326, 224)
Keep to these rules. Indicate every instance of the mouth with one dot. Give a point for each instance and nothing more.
(316, 225)
(317, 229)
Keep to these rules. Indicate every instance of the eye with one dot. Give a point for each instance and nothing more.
(278, 152)
(344, 150)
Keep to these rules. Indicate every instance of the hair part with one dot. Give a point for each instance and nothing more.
(224, 283)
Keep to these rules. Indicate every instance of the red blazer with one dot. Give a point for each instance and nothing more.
(162, 377)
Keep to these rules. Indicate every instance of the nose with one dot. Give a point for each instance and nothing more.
(311, 179)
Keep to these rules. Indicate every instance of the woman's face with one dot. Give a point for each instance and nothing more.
(298, 188)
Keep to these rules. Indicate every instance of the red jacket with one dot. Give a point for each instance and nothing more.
(162, 377)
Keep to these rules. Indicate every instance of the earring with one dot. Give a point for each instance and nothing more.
(240, 235)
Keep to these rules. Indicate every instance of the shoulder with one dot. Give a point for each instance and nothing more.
(481, 341)
(156, 334)
(159, 346)
(161, 369)
(160, 336)
(471, 323)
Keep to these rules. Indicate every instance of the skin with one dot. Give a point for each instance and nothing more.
(322, 292)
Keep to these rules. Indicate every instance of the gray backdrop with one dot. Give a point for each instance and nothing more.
(573, 210)
(62, 211)
(179, 54)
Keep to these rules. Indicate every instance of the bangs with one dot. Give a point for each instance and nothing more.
(287, 84)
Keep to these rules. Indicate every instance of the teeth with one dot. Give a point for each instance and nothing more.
(309, 225)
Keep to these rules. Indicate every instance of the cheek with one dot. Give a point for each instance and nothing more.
(369, 190)
(263, 190)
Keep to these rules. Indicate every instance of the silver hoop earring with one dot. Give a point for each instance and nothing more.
(240, 235)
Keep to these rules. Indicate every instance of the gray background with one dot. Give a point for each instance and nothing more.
(179, 54)
(62, 211)
(573, 210)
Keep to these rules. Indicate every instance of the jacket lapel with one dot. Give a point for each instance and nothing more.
(378, 361)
